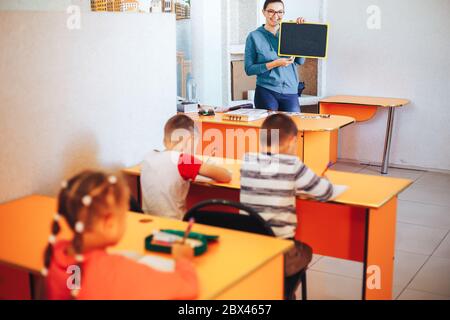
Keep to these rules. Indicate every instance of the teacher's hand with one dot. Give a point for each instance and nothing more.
(300, 20)
(284, 62)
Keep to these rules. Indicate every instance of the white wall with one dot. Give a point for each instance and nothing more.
(407, 58)
(242, 20)
(308, 9)
(94, 97)
(43, 5)
(207, 50)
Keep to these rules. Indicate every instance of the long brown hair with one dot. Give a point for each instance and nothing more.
(80, 200)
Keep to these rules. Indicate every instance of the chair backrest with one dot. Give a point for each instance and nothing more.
(134, 205)
(249, 222)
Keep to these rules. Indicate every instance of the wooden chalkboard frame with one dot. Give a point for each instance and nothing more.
(303, 56)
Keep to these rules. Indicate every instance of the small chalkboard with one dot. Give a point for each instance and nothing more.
(303, 40)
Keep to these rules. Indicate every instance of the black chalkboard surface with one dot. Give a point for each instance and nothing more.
(303, 40)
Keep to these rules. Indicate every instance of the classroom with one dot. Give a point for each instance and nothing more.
(224, 150)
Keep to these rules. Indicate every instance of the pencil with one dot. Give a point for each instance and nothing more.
(326, 169)
(188, 230)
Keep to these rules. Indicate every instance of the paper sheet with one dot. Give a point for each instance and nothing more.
(337, 191)
(158, 263)
(200, 178)
(155, 262)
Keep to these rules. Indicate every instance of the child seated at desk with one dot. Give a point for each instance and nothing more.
(166, 176)
(270, 181)
(95, 207)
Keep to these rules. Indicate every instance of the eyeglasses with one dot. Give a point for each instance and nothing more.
(272, 12)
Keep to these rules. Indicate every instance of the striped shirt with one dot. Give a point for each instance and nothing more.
(270, 183)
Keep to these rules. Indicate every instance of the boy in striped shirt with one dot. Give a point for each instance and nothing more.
(270, 181)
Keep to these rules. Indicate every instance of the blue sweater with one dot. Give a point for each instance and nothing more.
(261, 48)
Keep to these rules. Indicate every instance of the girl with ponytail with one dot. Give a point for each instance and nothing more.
(95, 207)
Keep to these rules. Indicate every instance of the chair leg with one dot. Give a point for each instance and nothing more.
(304, 288)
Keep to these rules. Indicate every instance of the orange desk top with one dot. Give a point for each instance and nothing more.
(303, 124)
(364, 190)
(367, 101)
(25, 227)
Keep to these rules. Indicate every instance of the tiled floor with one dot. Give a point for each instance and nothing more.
(422, 262)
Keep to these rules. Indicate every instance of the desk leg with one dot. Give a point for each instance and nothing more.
(134, 183)
(387, 142)
(37, 287)
(139, 190)
(379, 251)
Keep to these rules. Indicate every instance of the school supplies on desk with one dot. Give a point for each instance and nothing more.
(158, 263)
(338, 190)
(200, 178)
(234, 105)
(319, 116)
(188, 230)
(162, 241)
(326, 169)
(206, 112)
(245, 115)
(187, 107)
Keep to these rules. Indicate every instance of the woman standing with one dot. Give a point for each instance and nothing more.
(277, 80)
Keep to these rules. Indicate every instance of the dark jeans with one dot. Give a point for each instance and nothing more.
(271, 100)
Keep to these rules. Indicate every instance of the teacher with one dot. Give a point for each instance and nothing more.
(276, 78)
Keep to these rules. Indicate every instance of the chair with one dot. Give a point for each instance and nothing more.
(134, 205)
(252, 222)
(249, 222)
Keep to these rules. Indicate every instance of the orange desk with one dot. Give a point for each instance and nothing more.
(239, 266)
(359, 225)
(317, 138)
(364, 109)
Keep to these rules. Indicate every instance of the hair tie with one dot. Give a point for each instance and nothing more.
(112, 179)
(79, 227)
(52, 239)
(64, 184)
(44, 272)
(86, 200)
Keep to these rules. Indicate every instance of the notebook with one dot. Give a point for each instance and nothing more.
(158, 263)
